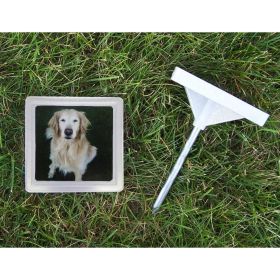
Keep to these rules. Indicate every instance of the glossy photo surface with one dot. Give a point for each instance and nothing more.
(99, 133)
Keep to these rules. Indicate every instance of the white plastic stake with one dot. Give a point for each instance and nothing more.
(210, 105)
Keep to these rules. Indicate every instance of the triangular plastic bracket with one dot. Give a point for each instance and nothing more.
(210, 111)
(212, 105)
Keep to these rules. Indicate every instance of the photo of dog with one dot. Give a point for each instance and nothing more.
(70, 150)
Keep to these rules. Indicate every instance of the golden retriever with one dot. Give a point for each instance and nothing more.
(70, 149)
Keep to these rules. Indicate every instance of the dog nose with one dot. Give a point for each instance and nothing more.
(68, 131)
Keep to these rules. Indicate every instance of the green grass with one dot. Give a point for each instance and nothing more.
(228, 192)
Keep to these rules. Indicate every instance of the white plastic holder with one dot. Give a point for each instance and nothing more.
(210, 105)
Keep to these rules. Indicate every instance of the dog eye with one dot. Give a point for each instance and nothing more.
(63, 120)
(75, 120)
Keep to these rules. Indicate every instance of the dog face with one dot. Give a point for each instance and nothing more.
(69, 123)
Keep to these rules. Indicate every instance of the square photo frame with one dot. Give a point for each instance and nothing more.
(73, 144)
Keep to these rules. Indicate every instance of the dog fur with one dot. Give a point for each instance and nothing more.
(69, 153)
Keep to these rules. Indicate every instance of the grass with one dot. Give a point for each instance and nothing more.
(228, 192)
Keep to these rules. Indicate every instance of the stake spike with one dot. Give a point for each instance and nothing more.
(210, 105)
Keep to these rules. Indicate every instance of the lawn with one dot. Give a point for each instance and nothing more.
(228, 191)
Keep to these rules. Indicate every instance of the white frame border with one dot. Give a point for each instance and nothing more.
(34, 186)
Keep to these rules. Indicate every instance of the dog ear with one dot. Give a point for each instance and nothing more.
(84, 122)
(53, 122)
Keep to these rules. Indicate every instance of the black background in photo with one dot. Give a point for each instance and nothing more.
(99, 134)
